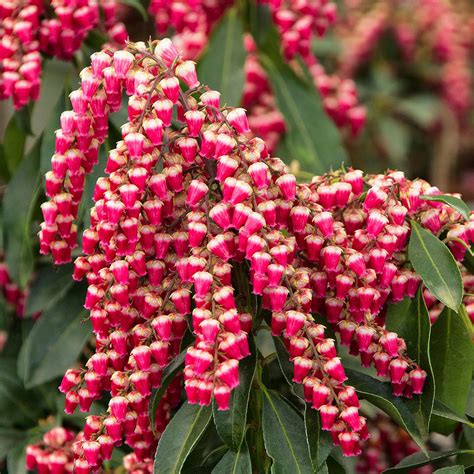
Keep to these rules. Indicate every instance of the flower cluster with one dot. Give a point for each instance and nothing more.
(28, 28)
(185, 217)
(387, 446)
(14, 296)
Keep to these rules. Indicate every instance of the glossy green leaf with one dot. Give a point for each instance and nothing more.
(137, 5)
(380, 395)
(433, 261)
(169, 373)
(311, 137)
(13, 142)
(451, 470)
(457, 204)
(180, 437)
(49, 285)
(230, 424)
(284, 435)
(452, 359)
(286, 367)
(56, 339)
(222, 64)
(319, 442)
(443, 411)
(19, 203)
(238, 462)
(411, 321)
(420, 459)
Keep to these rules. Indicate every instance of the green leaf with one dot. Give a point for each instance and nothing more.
(286, 367)
(433, 261)
(180, 437)
(14, 143)
(411, 321)
(235, 463)
(56, 339)
(284, 435)
(380, 395)
(395, 138)
(443, 411)
(312, 139)
(48, 286)
(422, 109)
(222, 64)
(16, 463)
(452, 359)
(137, 5)
(451, 470)
(9, 438)
(420, 459)
(319, 442)
(457, 204)
(19, 204)
(169, 373)
(230, 424)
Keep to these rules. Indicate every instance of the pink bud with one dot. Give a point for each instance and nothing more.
(186, 71)
(238, 119)
(287, 185)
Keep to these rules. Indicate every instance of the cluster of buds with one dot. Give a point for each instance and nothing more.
(28, 28)
(387, 446)
(54, 453)
(184, 214)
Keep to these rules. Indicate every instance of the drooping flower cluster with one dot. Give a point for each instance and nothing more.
(434, 26)
(186, 215)
(387, 446)
(28, 28)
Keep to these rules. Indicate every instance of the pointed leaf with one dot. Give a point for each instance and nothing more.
(230, 424)
(452, 359)
(380, 395)
(284, 435)
(433, 261)
(286, 367)
(18, 206)
(55, 340)
(169, 373)
(420, 459)
(456, 203)
(311, 138)
(49, 285)
(443, 411)
(411, 321)
(235, 463)
(14, 143)
(319, 442)
(451, 470)
(180, 437)
(222, 64)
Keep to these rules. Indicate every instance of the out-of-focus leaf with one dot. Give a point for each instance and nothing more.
(433, 261)
(238, 462)
(9, 438)
(319, 442)
(137, 5)
(222, 65)
(16, 460)
(284, 435)
(18, 206)
(420, 459)
(456, 203)
(312, 139)
(48, 286)
(56, 339)
(395, 138)
(410, 320)
(380, 395)
(452, 358)
(422, 109)
(14, 143)
(180, 437)
(230, 424)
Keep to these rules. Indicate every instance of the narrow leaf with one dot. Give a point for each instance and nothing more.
(456, 203)
(410, 320)
(443, 411)
(452, 359)
(286, 367)
(55, 340)
(49, 285)
(380, 395)
(451, 470)
(14, 143)
(180, 437)
(284, 436)
(420, 459)
(230, 424)
(433, 261)
(319, 442)
(311, 138)
(222, 65)
(18, 206)
(235, 463)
